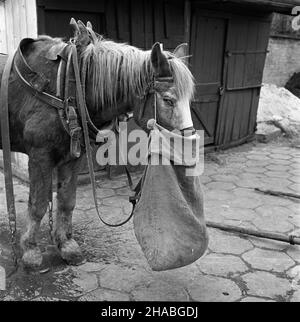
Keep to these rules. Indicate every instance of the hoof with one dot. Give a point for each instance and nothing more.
(32, 258)
(71, 252)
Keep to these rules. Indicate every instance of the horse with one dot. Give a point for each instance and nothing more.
(116, 78)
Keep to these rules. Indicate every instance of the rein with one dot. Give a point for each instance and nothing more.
(82, 109)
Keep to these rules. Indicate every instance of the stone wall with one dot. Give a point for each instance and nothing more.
(282, 61)
(18, 19)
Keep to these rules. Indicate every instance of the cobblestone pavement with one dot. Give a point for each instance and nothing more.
(235, 268)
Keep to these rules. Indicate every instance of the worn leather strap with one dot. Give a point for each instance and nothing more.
(6, 147)
(82, 108)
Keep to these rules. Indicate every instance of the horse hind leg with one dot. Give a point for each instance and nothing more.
(40, 176)
(66, 200)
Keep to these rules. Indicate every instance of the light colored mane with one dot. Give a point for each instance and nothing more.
(120, 73)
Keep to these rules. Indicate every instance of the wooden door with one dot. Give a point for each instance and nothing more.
(54, 16)
(207, 50)
(246, 49)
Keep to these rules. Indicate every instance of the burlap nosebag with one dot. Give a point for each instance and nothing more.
(169, 221)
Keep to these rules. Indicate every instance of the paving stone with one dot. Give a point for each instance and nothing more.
(85, 203)
(268, 244)
(294, 172)
(296, 296)
(252, 176)
(294, 207)
(282, 156)
(256, 169)
(101, 193)
(120, 278)
(205, 179)
(273, 210)
(221, 242)
(280, 162)
(101, 295)
(48, 299)
(258, 164)
(179, 276)
(222, 265)
(224, 178)
(246, 192)
(268, 260)
(117, 201)
(214, 289)
(278, 167)
(218, 185)
(244, 202)
(210, 168)
(295, 165)
(90, 267)
(294, 252)
(271, 224)
(2, 277)
(274, 201)
(255, 299)
(277, 174)
(294, 219)
(280, 184)
(266, 285)
(236, 159)
(295, 179)
(273, 218)
(220, 195)
(239, 214)
(123, 191)
(294, 274)
(250, 183)
(214, 213)
(258, 157)
(86, 281)
(159, 291)
(295, 187)
(114, 184)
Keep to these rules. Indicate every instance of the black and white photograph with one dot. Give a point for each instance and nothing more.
(149, 155)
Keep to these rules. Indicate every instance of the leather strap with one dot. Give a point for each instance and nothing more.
(82, 108)
(4, 118)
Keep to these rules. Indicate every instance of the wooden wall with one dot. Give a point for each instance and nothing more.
(138, 22)
(18, 19)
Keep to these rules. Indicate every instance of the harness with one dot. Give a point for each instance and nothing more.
(73, 112)
(70, 104)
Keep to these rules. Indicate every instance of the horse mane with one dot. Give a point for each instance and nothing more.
(120, 72)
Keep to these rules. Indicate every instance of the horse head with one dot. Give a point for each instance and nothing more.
(123, 78)
(171, 90)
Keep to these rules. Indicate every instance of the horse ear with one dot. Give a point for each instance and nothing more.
(89, 25)
(74, 25)
(159, 61)
(181, 52)
(82, 38)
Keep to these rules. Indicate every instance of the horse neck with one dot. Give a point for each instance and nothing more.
(106, 112)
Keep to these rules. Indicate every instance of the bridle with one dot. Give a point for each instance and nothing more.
(150, 95)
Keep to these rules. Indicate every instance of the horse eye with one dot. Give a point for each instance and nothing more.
(168, 101)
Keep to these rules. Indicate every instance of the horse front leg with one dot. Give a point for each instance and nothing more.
(66, 199)
(40, 176)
